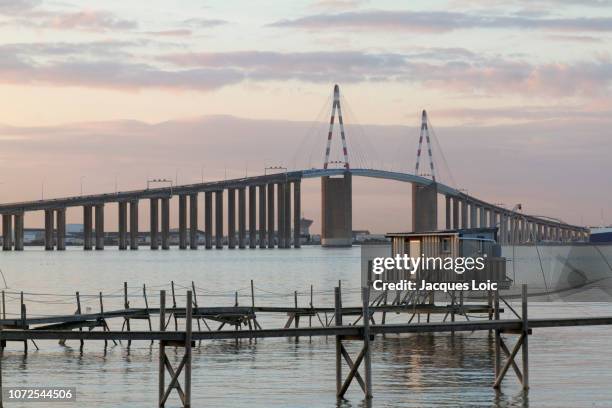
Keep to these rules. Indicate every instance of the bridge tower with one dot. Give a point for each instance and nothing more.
(336, 191)
(425, 197)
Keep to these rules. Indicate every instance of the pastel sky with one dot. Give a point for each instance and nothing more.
(72, 72)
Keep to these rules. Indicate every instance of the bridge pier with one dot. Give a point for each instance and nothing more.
(447, 212)
(219, 219)
(49, 242)
(424, 207)
(182, 221)
(492, 218)
(87, 227)
(165, 223)
(208, 225)
(456, 204)
(280, 201)
(241, 218)
(262, 216)
(193, 221)
(483, 217)
(122, 207)
(464, 214)
(231, 218)
(252, 216)
(297, 211)
(18, 231)
(99, 215)
(60, 221)
(154, 223)
(7, 232)
(287, 215)
(337, 211)
(134, 225)
(270, 189)
(473, 215)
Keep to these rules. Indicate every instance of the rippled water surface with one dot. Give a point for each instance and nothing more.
(569, 367)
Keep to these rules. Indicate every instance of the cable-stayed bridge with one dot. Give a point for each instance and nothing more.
(264, 211)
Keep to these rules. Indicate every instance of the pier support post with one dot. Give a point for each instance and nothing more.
(262, 217)
(456, 204)
(165, 222)
(297, 213)
(60, 222)
(252, 216)
(193, 221)
(338, 322)
(208, 224)
(99, 214)
(447, 212)
(525, 336)
(366, 342)
(18, 231)
(280, 210)
(464, 214)
(182, 221)
(241, 217)
(122, 205)
(337, 211)
(219, 219)
(287, 215)
(87, 226)
(134, 224)
(270, 189)
(7, 232)
(231, 218)
(154, 220)
(49, 242)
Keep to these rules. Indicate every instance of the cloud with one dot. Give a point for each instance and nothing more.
(337, 4)
(447, 68)
(27, 13)
(204, 22)
(439, 21)
(171, 33)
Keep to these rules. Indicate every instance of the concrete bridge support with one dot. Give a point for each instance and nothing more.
(87, 226)
(270, 189)
(182, 221)
(473, 215)
(337, 209)
(287, 215)
(134, 225)
(193, 221)
(49, 242)
(60, 222)
(208, 223)
(18, 231)
(483, 217)
(493, 219)
(280, 209)
(252, 216)
(219, 219)
(464, 214)
(262, 216)
(241, 218)
(231, 218)
(424, 207)
(297, 211)
(154, 223)
(165, 222)
(456, 211)
(503, 228)
(122, 206)
(447, 212)
(99, 214)
(7, 232)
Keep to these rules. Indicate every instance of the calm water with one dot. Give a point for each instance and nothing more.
(569, 367)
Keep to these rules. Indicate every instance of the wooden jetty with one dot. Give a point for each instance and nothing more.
(61, 328)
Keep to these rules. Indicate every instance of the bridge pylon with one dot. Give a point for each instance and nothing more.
(425, 197)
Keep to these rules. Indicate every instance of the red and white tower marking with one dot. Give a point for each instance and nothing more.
(336, 105)
(424, 131)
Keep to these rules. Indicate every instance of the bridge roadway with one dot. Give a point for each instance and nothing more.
(461, 211)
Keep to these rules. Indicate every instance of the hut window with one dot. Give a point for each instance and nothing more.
(445, 244)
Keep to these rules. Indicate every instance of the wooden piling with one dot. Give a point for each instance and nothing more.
(188, 327)
(126, 305)
(162, 348)
(338, 321)
(525, 338)
(497, 335)
(366, 342)
(78, 312)
(174, 306)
